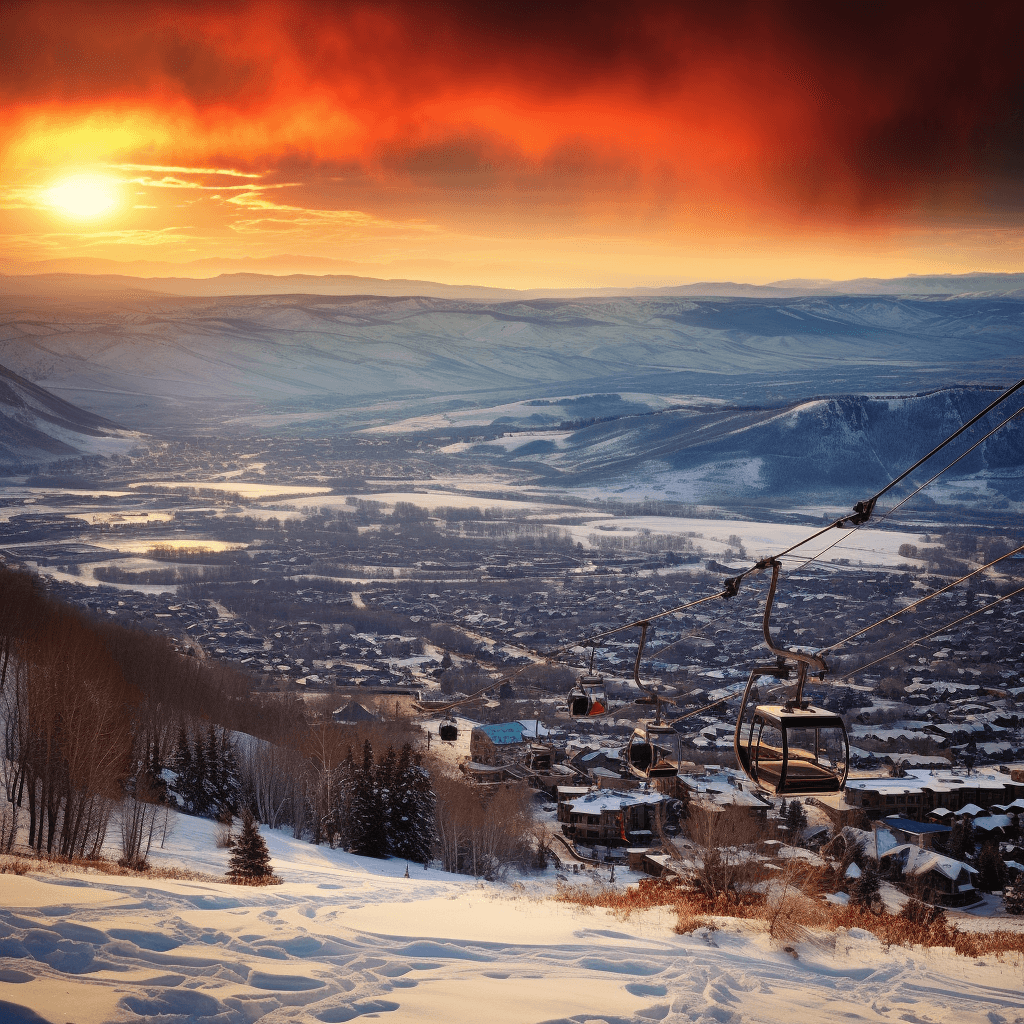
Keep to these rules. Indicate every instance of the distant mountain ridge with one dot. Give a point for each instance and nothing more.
(68, 285)
(130, 358)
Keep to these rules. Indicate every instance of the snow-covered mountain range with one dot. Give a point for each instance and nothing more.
(135, 358)
(696, 400)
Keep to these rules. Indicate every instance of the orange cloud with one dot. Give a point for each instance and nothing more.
(728, 118)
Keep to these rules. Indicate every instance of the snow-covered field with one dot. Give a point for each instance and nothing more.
(864, 546)
(246, 490)
(430, 500)
(346, 938)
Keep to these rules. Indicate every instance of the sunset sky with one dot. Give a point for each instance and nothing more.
(526, 145)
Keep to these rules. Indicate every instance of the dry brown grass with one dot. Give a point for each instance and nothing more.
(694, 910)
(257, 880)
(898, 930)
(20, 865)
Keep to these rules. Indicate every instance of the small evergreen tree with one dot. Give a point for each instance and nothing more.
(796, 820)
(250, 858)
(181, 765)
(422, 832)
(960, 844)
(411, 811)
(224, 780)
(1013, 897)
(394, 777)
(992, 870)
(153, 773)
(197, 790)
(866, 890)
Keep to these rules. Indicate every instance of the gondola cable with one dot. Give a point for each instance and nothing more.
(862, 512)
(928, 636)
(918, 603)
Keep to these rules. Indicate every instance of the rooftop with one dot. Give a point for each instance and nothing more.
(612, 800)
(915, 827)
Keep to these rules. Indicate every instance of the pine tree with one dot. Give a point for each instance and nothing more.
(992, 870)
(250, 858)
(796, 819)
(153, 774)
(346, 794)
(960, 844)
(181, 765)
(368, 830)
(226, 782)
(1013, 897)
(198, 790)
(865, 891)
(422, 827)
(212, 782)
(393, 774)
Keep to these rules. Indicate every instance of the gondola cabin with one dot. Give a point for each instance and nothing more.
(653, 752)
(448, 730)
(588, 699)
(794, 750)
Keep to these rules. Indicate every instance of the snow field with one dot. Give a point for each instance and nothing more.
(347, 938)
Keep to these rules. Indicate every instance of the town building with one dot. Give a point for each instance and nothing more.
(920, 791)
(612, 818)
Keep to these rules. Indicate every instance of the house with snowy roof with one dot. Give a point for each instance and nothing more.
(992, 826)
(919, 833)
(939, 879)
(614, 818)
(726, 790)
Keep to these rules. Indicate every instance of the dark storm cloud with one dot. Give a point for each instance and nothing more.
(857, 107)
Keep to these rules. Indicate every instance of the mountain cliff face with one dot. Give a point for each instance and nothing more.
(36, 426)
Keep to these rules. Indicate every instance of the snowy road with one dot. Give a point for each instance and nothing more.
(345, 939)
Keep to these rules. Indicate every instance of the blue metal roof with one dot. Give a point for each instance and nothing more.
(916, 827)
(503, 732)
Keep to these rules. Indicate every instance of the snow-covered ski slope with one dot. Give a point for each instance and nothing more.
(351, 939)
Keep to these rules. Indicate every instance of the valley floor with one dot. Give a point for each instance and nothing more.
(346, 938)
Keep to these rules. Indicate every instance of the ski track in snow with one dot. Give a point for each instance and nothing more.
(347, 939)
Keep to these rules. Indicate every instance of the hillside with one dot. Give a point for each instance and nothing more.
(288, 275)
(347, 938)
(843, 446)
(38, 427)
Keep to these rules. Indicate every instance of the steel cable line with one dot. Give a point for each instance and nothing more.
(863, 510)
(928, 636)
(927, 597)
(870, 503)
(637, 623)
(861, 514)
(917, 490)
(932, 479)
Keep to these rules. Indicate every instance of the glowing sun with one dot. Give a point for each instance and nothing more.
(84, 197)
